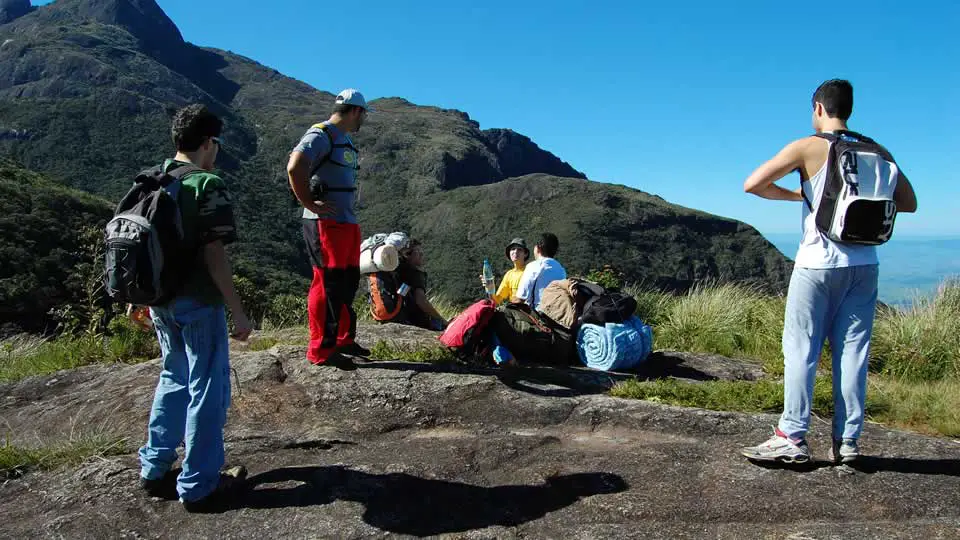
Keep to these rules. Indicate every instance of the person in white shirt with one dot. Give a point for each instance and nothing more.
(541, 272)
(832, 293)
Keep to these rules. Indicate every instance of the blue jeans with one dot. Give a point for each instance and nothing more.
(839, 304)
(192, 397)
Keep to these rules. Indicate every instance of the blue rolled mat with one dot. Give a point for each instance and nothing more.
(614, 346)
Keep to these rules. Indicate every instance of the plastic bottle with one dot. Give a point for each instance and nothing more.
(488, 282)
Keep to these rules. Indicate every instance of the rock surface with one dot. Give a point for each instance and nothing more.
(417, 450)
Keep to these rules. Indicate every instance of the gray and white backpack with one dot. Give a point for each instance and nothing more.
(855, 204)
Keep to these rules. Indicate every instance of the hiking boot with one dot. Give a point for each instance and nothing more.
(338, 361)
(230, 480)
(779, 448)
(353, 349)
(164, 487)
(843, 451)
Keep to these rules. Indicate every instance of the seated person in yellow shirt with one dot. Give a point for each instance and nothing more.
(518, 253)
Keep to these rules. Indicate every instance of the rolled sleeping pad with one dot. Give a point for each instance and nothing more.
(615, 346)
(385, 258)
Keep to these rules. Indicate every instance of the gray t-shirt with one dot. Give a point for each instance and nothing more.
(339, 171)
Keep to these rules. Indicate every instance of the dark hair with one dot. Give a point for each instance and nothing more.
(192, 125)
(411, 245)
(836, 96)
(345, 109)
(548, 244)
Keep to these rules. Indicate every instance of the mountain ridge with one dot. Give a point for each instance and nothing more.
(86, 96)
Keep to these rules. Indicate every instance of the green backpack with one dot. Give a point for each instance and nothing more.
(531, 337)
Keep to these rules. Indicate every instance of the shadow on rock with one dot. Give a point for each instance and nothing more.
(809, 466)
(873, 464)
(664, 366)
(938, 467)
(406, 504)
(573, 380)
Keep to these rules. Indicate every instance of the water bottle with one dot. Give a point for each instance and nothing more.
(488, 283)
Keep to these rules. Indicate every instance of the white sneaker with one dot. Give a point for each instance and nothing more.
(779, 448)
(844, 451)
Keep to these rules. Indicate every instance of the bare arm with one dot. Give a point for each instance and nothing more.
(777, 193)
(298, 173)
(904, 195)
(420, 298)
(215, 257)
(762, 182)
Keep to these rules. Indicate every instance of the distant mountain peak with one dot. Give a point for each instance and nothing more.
(12, 9)
(144, 19)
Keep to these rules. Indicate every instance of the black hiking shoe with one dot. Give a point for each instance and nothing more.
(231, 480)
(353, 349)
(164, 487)
(338, 361)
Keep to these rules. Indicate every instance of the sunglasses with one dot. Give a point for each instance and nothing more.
(217, 140)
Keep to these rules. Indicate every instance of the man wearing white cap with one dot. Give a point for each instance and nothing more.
(323, 175)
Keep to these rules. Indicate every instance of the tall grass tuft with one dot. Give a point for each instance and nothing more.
(922, 342)
(731, 320)
(18, 459)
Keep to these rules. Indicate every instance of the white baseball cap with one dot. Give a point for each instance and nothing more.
(352, 96)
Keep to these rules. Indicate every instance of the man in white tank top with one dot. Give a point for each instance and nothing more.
(832, 294)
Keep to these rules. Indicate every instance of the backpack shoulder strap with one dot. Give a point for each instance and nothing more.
(858, 136)
(326, 157)
(320, 162)
(181, 172)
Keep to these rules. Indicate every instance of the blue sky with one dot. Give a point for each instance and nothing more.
(680, 99)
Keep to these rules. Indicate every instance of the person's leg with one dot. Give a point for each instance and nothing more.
(205, 335)
(340, 244)
(806, 319)
(348, 316)
(318, 305)
(168, 415)
(850, 341)
(806, 323)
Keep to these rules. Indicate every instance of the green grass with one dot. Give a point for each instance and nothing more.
(383, 350)
(17, 459)
(745, 396)
(921, 343)
(932, 408)
(25, 356)
(262, 343)
(927, 407)
(915, 355)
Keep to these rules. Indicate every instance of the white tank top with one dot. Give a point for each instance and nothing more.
(818, 251)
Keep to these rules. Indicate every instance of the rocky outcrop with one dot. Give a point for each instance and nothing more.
(410, 450)
(519, 156)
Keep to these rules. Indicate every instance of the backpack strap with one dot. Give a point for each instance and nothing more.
(320, 162)
(182, 171)
(833, 137)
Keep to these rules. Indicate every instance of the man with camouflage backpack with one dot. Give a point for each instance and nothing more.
(192, 396)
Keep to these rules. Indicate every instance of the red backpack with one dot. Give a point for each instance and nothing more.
(466, 329)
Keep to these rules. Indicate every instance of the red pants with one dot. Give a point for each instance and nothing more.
(334, 250)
